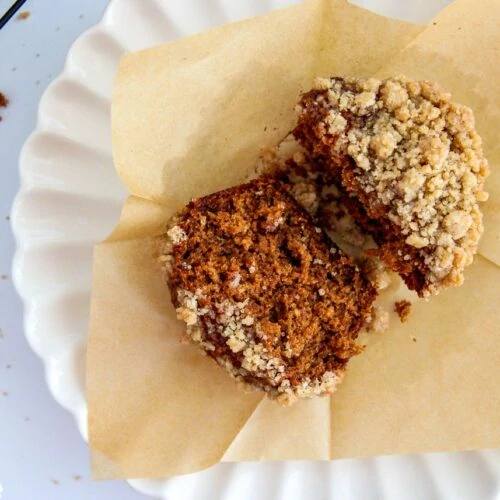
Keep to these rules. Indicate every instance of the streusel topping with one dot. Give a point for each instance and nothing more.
(415, 153)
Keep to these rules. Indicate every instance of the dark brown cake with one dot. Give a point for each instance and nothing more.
(411, 168)
(264, 292)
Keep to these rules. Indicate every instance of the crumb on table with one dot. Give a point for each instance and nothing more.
(4, 102)
(22, 16)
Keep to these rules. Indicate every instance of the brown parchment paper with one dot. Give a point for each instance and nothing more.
(188, 119)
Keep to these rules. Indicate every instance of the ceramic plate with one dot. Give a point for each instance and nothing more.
(70, 198)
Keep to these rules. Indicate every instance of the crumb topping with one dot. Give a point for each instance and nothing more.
(176, 234)
(377, 273)
(378, 321)
(22, 16)
(415, 154)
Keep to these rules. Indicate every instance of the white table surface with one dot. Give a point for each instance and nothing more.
(42, 455)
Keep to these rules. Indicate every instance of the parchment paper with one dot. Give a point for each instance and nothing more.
(189, 118)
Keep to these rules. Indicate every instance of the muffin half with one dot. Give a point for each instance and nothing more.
(264, 291)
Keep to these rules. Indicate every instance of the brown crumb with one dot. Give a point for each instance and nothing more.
(402, 308)
(414, 338)
(4, 102)
(22, 16)
(54, 481)
(77, 477)
(379, 320)
(4, 277)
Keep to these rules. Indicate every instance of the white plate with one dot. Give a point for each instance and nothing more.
(70, 198)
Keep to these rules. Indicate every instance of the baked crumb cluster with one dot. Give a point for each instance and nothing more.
(414, 157)
(264, 292)
(402, 309)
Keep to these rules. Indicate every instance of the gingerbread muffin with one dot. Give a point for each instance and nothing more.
(264, 292)
(411, 168)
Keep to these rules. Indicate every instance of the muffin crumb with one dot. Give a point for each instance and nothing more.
(22, 16)
(403, 309)
(379, 320)
(4, 102)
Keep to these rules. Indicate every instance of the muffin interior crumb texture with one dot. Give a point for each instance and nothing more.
(264, 291)
(411, 167)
